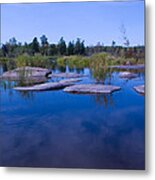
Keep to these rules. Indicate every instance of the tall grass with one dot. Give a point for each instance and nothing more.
(98, 63)
(73, 61)
(99, 66)
(34, 61)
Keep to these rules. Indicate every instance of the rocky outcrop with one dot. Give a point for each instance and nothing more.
(66, 75)
(140, 89)
(71, 80)
(26, 73)
(92, 88)
(127, 75)
(48, 86)
(138, 66)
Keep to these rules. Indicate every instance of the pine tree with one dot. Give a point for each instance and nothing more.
(35, 45)
(70, 50)
(62, 46)
(77, 48)
(44, 43)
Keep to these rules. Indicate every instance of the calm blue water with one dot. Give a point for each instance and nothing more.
(58, 129)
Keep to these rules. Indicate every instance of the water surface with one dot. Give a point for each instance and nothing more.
(58, 129)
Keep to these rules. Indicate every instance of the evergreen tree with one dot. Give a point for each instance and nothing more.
(44, 43)
(70, 50)
(44, 40)
(4, 50)
(62, 46)
(35, 45)
(82, 49)
(79, 47)
(13, 41)
(113, 44)
(53, 50)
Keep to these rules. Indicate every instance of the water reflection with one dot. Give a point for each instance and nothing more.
(57, 129)
(100, 74)
(6, 85)
(108, 141)
(69, 69)
(61, 69)
(27, 95)
(104, 100)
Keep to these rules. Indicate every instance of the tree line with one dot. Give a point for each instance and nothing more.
(13, 48)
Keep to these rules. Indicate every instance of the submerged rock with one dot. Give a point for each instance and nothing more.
(66, 75)
(70, 80)
(140, 89)
(32, 80)
(48, 86)
(26, 72)
(92, 88)
(127, 75)
(138, 66)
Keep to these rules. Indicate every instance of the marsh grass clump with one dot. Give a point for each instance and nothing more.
(26, 60)
(24, 77)
(99, 65)
(9, 63)
(61, 61)
(73, 61)
(4, 59)
(22, 61)
(33, 61)
(78, 62)
(124, 61)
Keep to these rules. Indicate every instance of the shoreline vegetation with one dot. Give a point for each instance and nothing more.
(74, 55)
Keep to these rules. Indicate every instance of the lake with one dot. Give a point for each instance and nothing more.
(59, 129)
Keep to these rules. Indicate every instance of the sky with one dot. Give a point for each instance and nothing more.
(90, 21)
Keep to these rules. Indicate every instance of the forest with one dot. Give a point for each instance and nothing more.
(74, 53)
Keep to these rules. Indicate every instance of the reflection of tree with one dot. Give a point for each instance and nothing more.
(109, 75)
(104, 99)
(80, 70)
(61, 69)
(69, 69)
(27, 95)
(7, 86)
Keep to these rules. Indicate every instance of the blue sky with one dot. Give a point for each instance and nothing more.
(91, 21)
